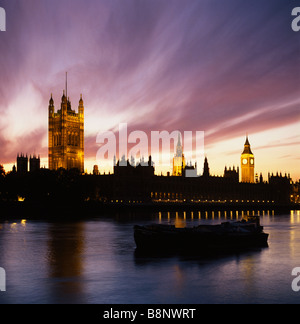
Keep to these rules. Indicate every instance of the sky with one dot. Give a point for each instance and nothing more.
(223, 67)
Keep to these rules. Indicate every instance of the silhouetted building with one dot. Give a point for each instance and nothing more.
(34, 163)
(132, 183)
(190, 170)
(261, 179)
(232, 173)
(295, 195)
(137, 183)
(95, 170)
(22, 163)
(206, 168)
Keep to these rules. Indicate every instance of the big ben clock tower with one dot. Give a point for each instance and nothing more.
(247, 163)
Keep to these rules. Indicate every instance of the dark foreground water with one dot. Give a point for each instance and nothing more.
(94, 261)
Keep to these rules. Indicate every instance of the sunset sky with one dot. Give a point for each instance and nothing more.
(225, 67)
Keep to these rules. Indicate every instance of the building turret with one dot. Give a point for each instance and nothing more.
(22, 163)
(51, 106)
(206, 168)
(261, 179)
(179, 149)
(64, 103)
(81, 107)
(34, 163)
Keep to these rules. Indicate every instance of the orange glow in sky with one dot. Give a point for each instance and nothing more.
(195, 65)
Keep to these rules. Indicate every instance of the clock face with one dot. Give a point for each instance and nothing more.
(244, 161)
(252, 161)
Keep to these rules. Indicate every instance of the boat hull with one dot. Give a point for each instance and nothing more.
(193, 241)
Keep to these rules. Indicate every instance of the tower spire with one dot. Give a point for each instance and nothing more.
(247, 140)
(66, 84)
(179, 141)
(179, 146)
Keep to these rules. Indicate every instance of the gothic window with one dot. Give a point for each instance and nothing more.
(56, 140)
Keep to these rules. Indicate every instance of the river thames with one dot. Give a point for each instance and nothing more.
(94, 261)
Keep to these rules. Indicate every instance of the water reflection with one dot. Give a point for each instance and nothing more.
(65, 256)
(184, 218)
(294, 234)
(295, 216)
(16, 227)
(93, 261)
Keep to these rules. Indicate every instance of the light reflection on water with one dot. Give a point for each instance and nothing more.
(93, 261)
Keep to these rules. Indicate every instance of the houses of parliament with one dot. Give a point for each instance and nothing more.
(139, 184)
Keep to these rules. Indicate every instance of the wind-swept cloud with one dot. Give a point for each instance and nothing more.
(222, 66)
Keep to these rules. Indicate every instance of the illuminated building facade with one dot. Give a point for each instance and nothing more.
(247, 163)
(178, 160)
(66, 135)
